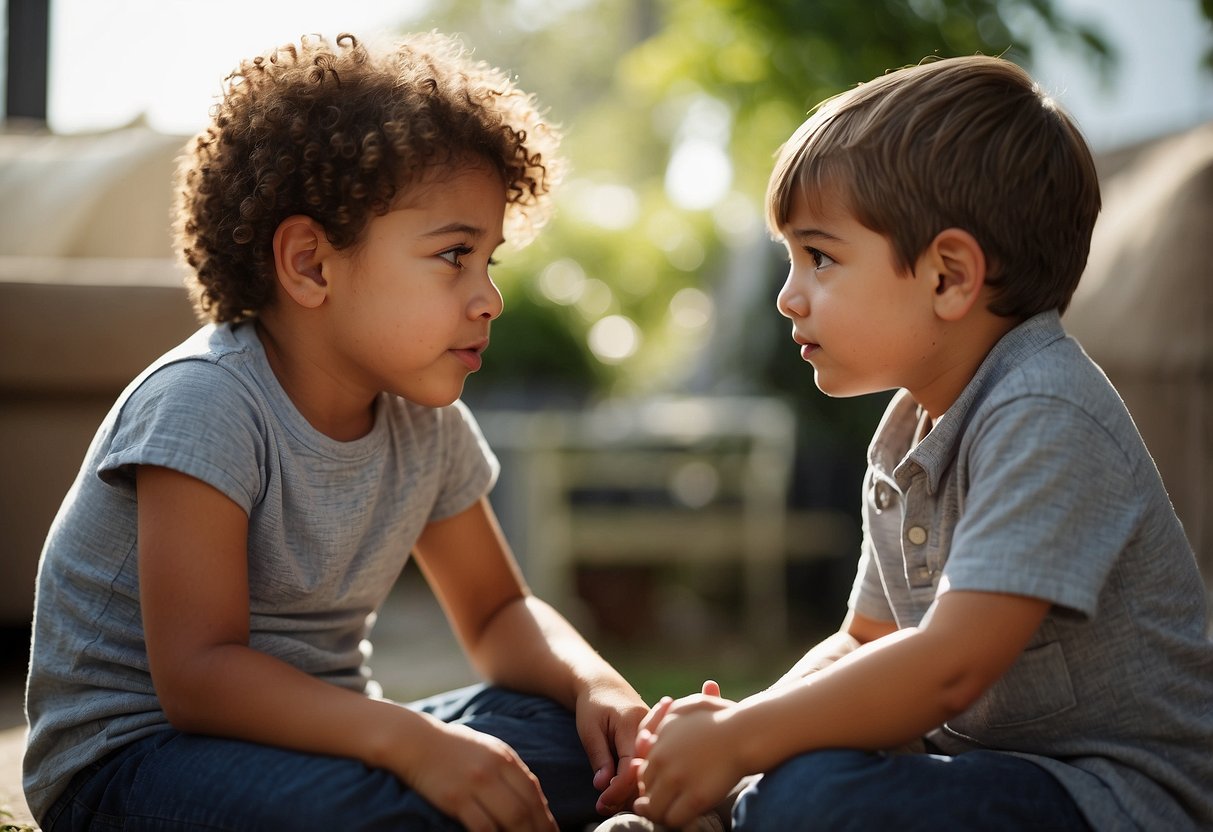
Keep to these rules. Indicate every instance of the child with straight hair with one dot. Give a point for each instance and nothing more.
(206, 592)
(1026, 642)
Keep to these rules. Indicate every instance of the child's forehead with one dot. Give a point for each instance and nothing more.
(812, 204)
(466, 174)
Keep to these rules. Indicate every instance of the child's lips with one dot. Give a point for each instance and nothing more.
(807, 347)
(470, 355)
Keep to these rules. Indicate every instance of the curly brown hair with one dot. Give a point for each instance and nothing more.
(335, 132)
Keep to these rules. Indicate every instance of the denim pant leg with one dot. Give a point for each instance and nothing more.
(543, 733)
(175, 781)
(841, 790)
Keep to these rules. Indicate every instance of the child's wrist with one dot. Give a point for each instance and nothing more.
(750, 745)
(394, 743)
(604, 682)
(736, 734)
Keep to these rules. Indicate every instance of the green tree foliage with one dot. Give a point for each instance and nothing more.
(772, 61)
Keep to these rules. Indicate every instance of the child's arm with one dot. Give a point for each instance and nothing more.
(856, 630)
(193, 579)
(882, 694)
(519, 642)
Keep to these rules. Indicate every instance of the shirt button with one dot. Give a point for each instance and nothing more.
(917, 535)
(881, 496)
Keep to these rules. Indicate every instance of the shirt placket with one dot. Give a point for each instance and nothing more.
(917, 540)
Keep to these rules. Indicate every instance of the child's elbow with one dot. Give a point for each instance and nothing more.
(186, 699)
(181, 712)
(960, 691)
(189, 689)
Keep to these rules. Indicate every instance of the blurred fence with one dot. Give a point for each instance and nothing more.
(690, 481)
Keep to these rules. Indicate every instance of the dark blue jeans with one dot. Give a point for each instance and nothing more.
(176, 781)
(842, 790)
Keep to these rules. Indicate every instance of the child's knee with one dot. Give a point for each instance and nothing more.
(818, 790)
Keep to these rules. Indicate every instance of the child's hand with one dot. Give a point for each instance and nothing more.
(608, 718)
(653, 719)
(478, 780)
(686, 764)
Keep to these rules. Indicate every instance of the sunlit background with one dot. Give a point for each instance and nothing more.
(672, 111)
(117, 60)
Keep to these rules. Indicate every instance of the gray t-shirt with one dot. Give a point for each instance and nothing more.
(1036, 482)
(331, 524)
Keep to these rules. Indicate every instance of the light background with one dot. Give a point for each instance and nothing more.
(113, 60)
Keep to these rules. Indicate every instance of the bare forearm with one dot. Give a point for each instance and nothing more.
(819, 658)
(529, 646)
(857, 629)
(236, 691)
(891, 690)
(880, 695)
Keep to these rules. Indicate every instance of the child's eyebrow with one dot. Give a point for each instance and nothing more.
(460, 228)
(456, 228)
(812, 234)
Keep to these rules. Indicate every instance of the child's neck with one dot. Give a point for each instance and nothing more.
(967, 344)
(329, 403)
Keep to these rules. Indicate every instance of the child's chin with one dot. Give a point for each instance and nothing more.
(434, 399)
(839, 389)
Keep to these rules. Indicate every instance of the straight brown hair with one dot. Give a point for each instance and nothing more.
(970, 143)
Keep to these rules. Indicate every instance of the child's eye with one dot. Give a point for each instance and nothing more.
(453, 255)
(820, 258)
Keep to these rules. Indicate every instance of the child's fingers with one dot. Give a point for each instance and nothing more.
(644, 743)
(656, 714)
(711, 688)
(602, 760)
(516, 801)
(622, 789)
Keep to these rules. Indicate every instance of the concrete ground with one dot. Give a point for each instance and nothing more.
(13, 649)
(415, 655)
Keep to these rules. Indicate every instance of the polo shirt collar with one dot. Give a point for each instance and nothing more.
(888, 455)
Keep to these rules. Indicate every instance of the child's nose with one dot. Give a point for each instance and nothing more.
(488, 303)
(791, 302)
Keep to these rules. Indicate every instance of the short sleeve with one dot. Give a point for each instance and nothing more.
(195, 417)
(1050, 505)
(471, 468)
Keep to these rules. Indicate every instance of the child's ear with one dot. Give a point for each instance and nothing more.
(955, 264)
(299, 243)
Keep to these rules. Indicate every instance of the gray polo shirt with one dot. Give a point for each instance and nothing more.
(331, 525)
(1036, 483)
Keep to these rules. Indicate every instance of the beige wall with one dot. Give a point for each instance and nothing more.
(1144, 311)
(88, 296)
(75, 336)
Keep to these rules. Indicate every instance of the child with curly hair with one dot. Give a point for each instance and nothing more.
(206, 592)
